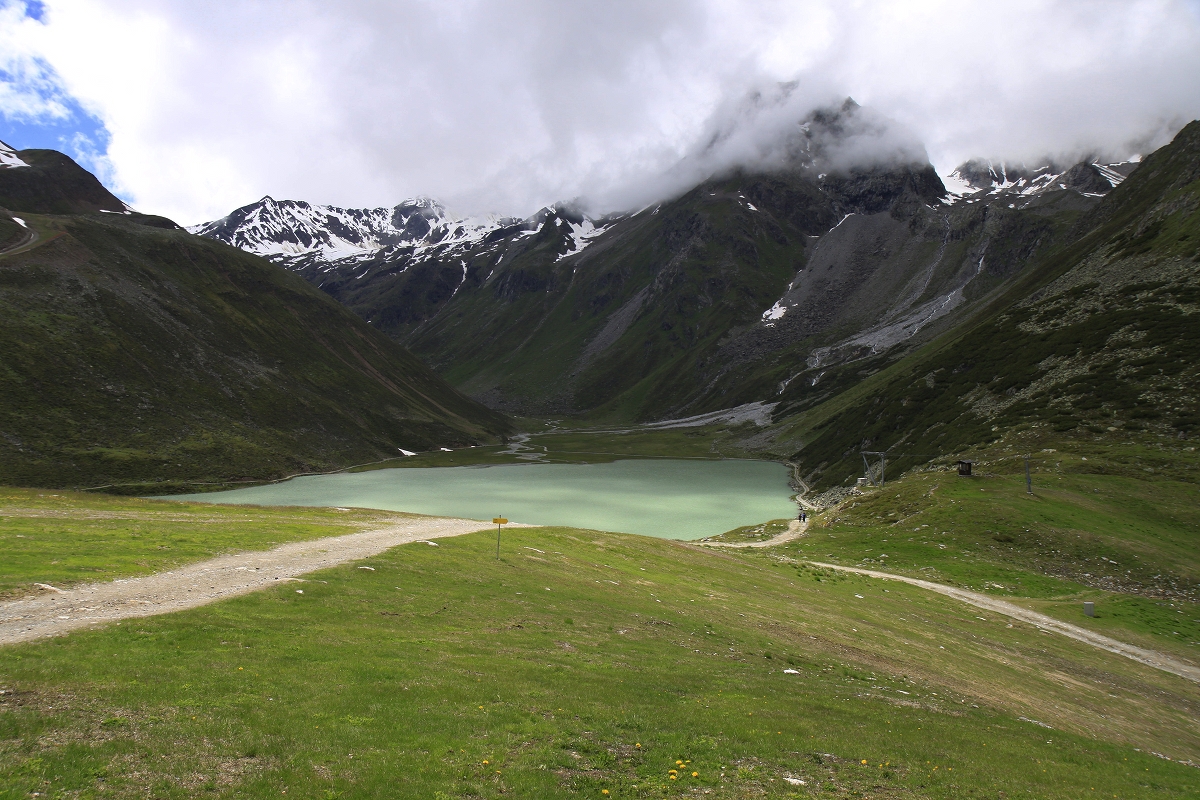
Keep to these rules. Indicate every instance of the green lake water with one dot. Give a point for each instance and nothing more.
(672, 499)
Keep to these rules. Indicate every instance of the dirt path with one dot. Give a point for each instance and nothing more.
(30, 237)
(205, 582)
(1151, 658)
(795, 530)
(802, 490)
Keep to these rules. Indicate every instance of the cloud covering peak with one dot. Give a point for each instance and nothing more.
(508, 106)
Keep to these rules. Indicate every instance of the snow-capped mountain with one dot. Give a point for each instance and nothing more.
(845, 247)
(291, 228)
(977, 179)
(415, 247)
(295, 232)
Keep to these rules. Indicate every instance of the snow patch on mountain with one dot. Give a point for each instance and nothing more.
(956, 186)
(774, 312)
(9, 158)
(582, 235)
(981, 179)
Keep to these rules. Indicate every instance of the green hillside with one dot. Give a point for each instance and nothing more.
(577, 663)
(54, 184)
(134, 352)
(1098, 339)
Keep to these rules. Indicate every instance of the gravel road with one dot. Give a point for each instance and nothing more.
(795, 530)
(59, 611)
(1151, 658)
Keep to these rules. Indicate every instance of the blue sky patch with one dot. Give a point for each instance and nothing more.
(42, 114)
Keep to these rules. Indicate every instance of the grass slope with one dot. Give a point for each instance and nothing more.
(578, 663)
(1112, 519)
(54, 184)
(133, 353)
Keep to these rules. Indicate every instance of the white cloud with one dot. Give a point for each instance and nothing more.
(505, 106)
(29, 88)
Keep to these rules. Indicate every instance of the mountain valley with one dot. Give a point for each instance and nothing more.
(786, 288)
(919, 633)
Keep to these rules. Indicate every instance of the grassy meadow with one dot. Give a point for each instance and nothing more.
(65, 538)
(1102, 524)
(581, 663)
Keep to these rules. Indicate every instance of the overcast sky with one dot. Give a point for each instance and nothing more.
(190, 109)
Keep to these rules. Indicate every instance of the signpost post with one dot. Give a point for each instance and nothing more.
(499, 521)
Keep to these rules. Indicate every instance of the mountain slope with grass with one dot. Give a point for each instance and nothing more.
(48, 182)
(134, 352)
(1097, 339)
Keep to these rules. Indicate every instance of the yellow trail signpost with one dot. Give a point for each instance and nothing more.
(498, 521)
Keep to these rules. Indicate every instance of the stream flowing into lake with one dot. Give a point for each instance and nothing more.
(668, 498)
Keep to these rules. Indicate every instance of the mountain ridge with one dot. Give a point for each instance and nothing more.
(421, 293)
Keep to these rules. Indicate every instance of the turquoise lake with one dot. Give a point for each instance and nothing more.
(668, 498)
